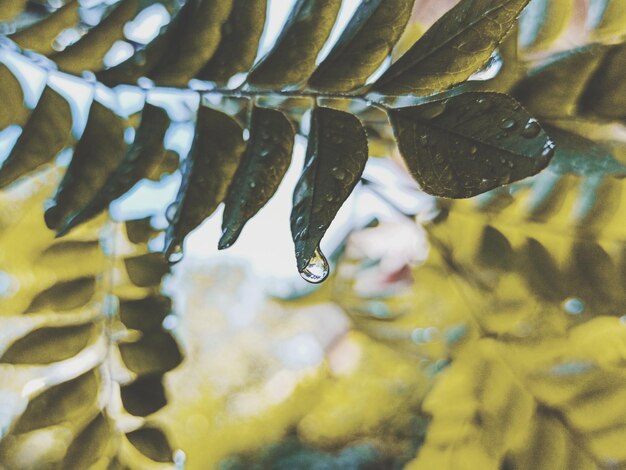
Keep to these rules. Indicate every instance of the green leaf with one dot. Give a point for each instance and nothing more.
(155, 353)
(555, 87)
(50, 344)
(364, 44)
(541, 271)
(215, 154)
(606, 92)
(90, 445)
(495, 250)
(40, 36)
(144, 155)
(240, 39)
(98, 152)
(335, 158)
(66, 402)
(64, 296)
(470, 143)
(292, 59)
(144, 396)
(151, 442)
(543, 21)
(457, 45)
(12, 110)
(195, 44)
(87, 53)
(145, 314)
(140, 231)
(146, 270)
(261, 170)
(606, 18)
(45, 134)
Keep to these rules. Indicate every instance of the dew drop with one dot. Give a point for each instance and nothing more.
(531, 129)
(573, 306)
(170, 213)
(548, 150)
(329, 197)
(484, 104)
(176, 256)
(252, 184)
(507, 124)
(316, 270)
(339, 173)
(424, 140)
(264, 153)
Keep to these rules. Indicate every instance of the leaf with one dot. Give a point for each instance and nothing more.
(364, 44)
(260, 172)
(555, 88)
(541, 271)
(11, 8)
(64, 296)
(12, 110)
(145, 314)
(195, 44)
(543, 21)
(606, 91)
(66, 402)
(241, 34)
(155, 353)
(98, 152)
(144, 396)
(457, 45)
(144, 155)
(470, 143)
(495, 250)
(606, 18)
(139, 231)
(87, 53)
(292, 59)
(49, 344)
(40, 36)
(146, 270)
(215, 153)
(151, 442)
(89, 446)
(335, 159)
(45, 134)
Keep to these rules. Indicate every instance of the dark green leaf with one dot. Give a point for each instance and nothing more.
(457, 45)
(606, 92)
(335, 158)
(143, 156)
(64, 296)
(12, 110)
(146, 270)
(40, 36)
(65, 402)
(155, 353)
(364, 44)
(208, 171)
(195, 44)
(543, 21)
(468, 144)
(49, 344)
(89, 446)
(495, 250)
(554, 88)
(144, 396)
(145, 314)
(87, 53)
(262, 168)
(292, 59)
(151, 442)
(240, 40)
(139, 231)
(541, 271)
(98, 152)
(43, 137)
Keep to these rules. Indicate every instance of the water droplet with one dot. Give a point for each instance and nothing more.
(573, 306)
(548, 150)
(145, 83)
(423, 140)
(507, 124)
(176, 256)
(484, 104)
(252, 184)
(170, 213)
(316, 270)
(531, 129)
(329, 197)
(299, 220)
(264, 153)
(339, 173)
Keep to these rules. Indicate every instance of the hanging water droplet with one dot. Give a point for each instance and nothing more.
(316, 270)
(176, 256)
(531, 129)
(507, 124)
(339, 173)
(170, 213)
(573, 306)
